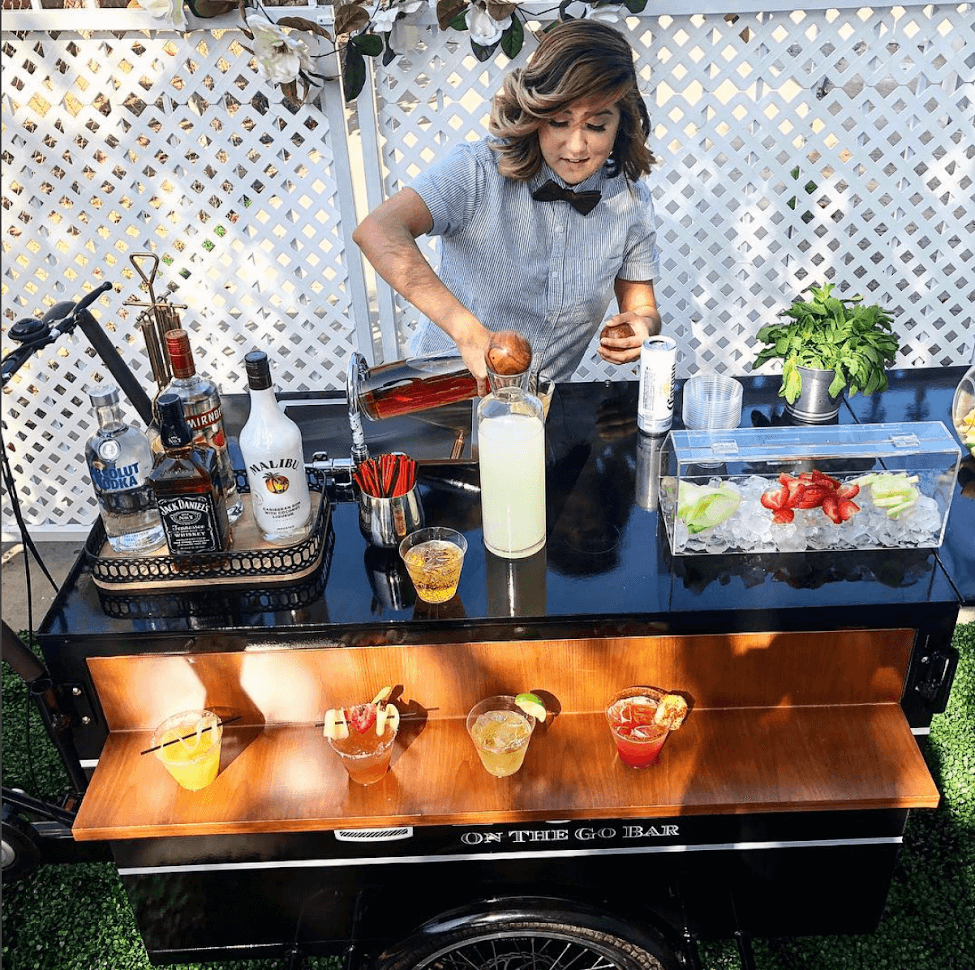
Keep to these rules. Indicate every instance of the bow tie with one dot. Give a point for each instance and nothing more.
(583, 202)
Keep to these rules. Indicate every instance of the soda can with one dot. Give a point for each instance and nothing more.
(658, 372)
(649, 453)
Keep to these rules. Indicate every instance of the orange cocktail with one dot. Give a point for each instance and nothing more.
(188, 744)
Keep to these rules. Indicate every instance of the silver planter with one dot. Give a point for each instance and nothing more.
(814, 404)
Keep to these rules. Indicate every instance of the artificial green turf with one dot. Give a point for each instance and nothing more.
(77, 917)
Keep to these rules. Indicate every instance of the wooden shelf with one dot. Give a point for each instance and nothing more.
(773, 751)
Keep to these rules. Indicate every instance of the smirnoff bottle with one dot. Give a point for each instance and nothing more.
(271, 445)
(119, 461)
(203, 413)
(186, 484)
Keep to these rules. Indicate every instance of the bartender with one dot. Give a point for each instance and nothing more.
(541, 223)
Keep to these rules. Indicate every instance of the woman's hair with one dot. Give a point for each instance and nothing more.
(576, 59)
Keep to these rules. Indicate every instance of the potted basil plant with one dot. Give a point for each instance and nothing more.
(828, 344)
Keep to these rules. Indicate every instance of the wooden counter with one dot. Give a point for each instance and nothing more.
(759, 738)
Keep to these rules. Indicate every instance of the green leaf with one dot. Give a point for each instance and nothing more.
(483, 53)
(460, 21)
(513, 38)
(368, 44)
(635, 6)
(354, 75)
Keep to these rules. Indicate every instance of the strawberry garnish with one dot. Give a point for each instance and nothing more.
(361, 717)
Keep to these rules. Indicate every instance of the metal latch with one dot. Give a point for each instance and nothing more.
(936, 671)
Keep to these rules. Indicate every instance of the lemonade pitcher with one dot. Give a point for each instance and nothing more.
(511, 444)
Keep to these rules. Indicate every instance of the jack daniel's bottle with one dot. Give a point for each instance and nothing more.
(186, 484)
(203, 412)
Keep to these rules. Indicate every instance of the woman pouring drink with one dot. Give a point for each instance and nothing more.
(541, 223)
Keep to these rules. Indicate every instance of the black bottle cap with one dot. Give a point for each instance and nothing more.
(174, 432)
(258, 370)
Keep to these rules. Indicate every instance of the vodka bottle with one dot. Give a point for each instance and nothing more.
(271, 445)
(186, 484)
(119, 461)
(203, 413)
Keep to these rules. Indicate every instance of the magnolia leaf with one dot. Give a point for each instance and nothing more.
(484, 53)
(354, 75)
(513, 38)
(303, 23)
(498, 10)
(211, 8)
(450, 10)
(369, 44)
(564, 10)
(389, 55)
(290, 90)
(635, 6)
(349, 17)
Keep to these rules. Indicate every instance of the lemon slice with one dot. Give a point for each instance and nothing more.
(336, 727)
(532, 705)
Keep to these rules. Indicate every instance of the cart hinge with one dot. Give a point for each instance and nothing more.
(935, 673)
(79, 703)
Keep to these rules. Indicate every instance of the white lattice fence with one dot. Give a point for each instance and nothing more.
(165, 144)
(795, 146)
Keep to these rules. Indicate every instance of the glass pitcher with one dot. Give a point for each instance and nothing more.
(511, 456)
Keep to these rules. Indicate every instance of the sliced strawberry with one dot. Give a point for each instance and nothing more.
(361, 717)
(848, 491)
(783, 516)
(812, 497)
(819, 478)
(847, 509)
(776, 498)
(831, 507)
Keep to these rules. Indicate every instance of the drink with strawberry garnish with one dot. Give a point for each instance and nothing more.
(641, 719)
(363, 735)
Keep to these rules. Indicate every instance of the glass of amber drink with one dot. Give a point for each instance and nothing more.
(500, 730)
(631, 720)
(188, 744)
(362, 736)
(434, 558)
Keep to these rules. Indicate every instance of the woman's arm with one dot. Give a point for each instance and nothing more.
(638, 308)
(387, 238)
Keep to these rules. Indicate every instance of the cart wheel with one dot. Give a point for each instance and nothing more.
(525, 945)
(18, 848)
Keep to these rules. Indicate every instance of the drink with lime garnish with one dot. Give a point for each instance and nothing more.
(501, 728)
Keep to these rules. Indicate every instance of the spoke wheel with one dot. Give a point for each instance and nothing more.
(527, 945)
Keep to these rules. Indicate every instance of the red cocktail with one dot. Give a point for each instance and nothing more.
(631, 719)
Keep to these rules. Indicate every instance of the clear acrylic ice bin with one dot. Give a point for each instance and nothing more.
(899, 477)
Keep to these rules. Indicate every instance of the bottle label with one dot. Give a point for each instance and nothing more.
(117, 478)
(190, 522)
(279, 494)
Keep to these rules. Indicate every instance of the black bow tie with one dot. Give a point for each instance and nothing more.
(583, 202)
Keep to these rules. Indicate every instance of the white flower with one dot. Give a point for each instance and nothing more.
(279, 55)
(389, 11)
(171, 10)
(608, 14)
(485, 30)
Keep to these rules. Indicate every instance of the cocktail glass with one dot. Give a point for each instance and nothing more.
(630, 716)
(366, 755)
(434, 558)
(500, 730)
(188, 744)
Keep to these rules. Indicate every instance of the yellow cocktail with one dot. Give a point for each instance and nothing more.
(188, 744)
(500, 730)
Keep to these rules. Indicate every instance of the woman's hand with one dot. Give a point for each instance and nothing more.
(623, 335)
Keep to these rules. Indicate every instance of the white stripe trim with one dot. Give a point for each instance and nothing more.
(496, 856)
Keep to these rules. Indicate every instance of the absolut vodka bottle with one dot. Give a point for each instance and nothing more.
(119, 462)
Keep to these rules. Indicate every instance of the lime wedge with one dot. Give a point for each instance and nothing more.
(532, 705)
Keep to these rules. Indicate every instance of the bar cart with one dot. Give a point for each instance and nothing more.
(812, 677)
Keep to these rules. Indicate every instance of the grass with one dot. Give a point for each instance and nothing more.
(77, 917)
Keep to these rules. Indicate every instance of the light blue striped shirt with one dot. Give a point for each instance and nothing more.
(540, 268)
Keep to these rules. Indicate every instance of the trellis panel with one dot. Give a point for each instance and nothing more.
(795, 146)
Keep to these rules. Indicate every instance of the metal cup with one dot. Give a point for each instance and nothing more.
(385, 522)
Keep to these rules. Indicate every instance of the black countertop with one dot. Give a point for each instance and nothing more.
(606, 562)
